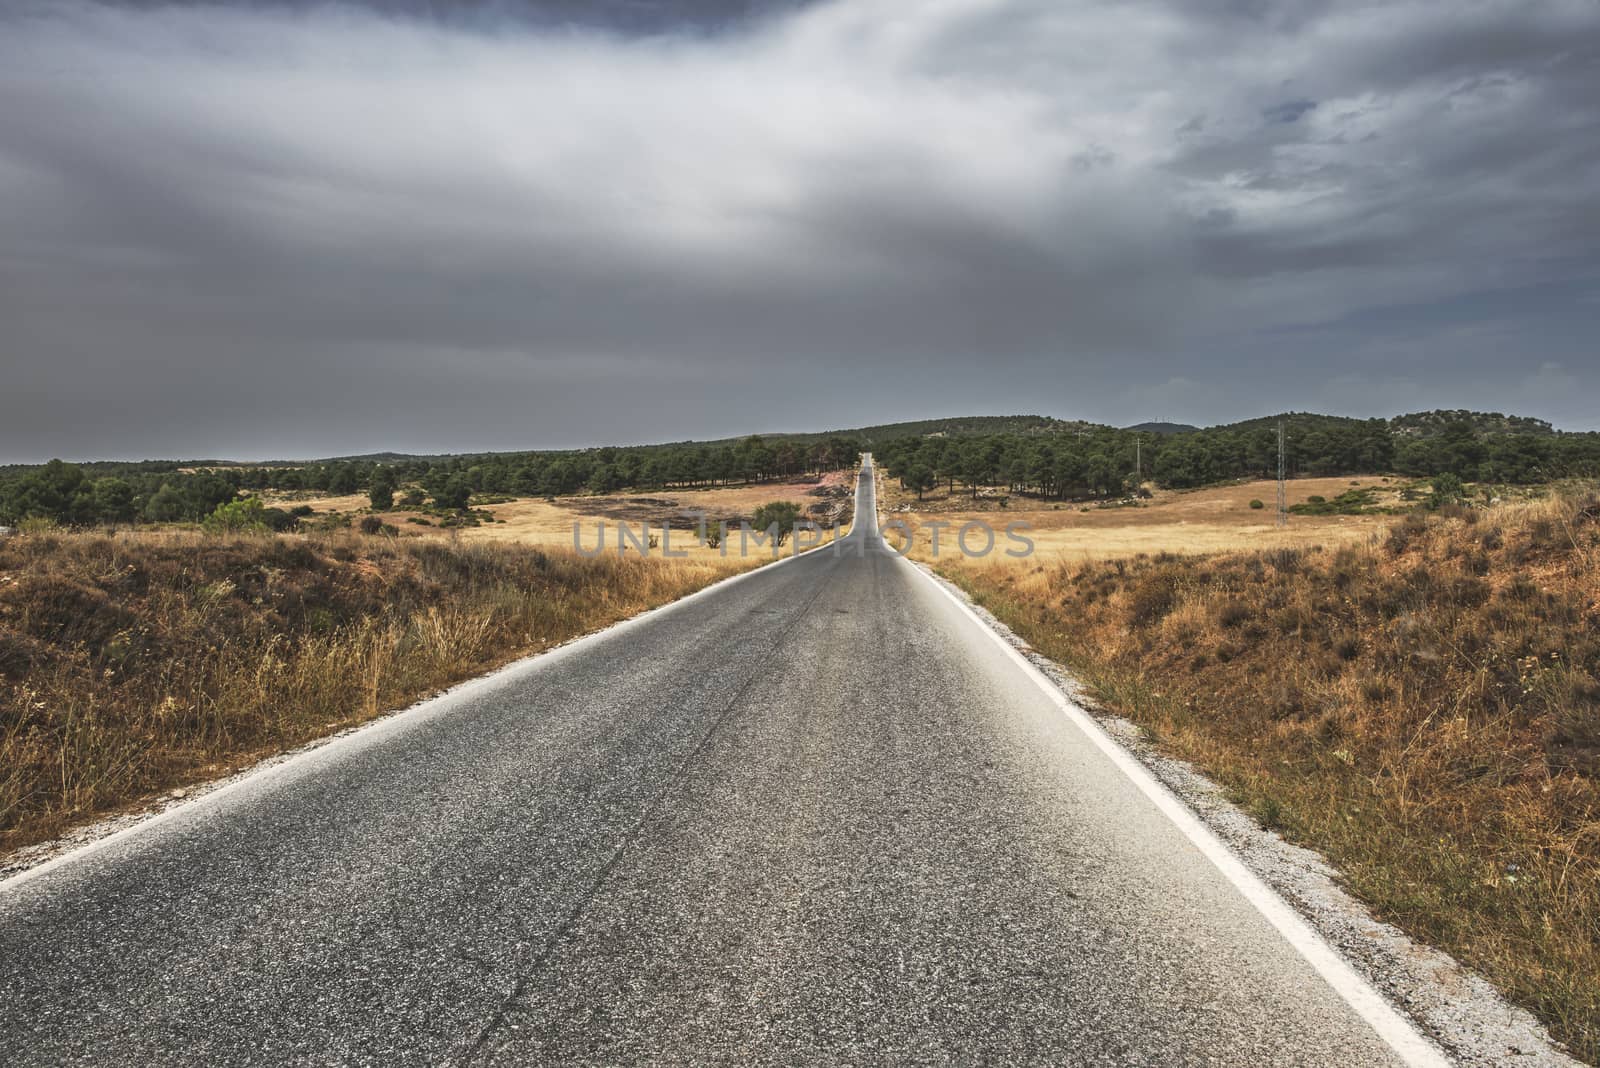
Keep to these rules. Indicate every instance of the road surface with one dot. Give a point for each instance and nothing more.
(815, 815)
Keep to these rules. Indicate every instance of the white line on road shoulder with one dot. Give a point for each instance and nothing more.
(1394, 1028)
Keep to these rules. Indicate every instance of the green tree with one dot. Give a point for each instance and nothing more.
(113, 500)
(380, 489)
(920, 478)
(342, 479)
(781, 514)
(46, 493)
(454, 494)
(604, 479)
(165, 505)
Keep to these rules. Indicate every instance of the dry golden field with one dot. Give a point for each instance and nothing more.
(1217, 519)
(549, 524)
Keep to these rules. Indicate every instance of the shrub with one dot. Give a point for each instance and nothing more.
(1233, 613)
(1357, 501)
(237, 517)
(277, 519)
(1257, 504)
(1446, 490)
(1402, 537)
(1285, 560)
(1152, 597)
(1268, 812)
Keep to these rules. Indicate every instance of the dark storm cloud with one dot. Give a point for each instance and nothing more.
(1288, 111)
(283, 229)
(627, 16)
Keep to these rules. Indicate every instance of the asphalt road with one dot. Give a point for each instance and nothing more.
(815, 815)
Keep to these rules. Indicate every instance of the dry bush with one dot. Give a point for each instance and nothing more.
(1153, 595)
(136, 662)
(1425, 711)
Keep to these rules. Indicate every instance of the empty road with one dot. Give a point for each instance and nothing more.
(814, 815)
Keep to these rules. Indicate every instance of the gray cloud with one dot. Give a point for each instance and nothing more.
(295, 229)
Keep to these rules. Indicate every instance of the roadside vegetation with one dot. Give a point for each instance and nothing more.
(1422, 708)
(133, 663)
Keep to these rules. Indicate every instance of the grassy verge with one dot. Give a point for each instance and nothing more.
(134, 663)
(1424, 711)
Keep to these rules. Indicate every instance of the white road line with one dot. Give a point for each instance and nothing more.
(1402, 1036)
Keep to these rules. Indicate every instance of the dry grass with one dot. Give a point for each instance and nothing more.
(1424, 711)
(133, 663)
(1218, 519)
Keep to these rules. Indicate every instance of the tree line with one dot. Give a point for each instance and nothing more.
(163, 491)
(1045, 458)
(1106, 462)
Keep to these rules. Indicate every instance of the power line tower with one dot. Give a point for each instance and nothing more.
(1138, 462)
(1283, 487)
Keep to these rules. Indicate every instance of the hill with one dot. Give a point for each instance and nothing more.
(1435, 423)
(1161, 428)
(957, 427)
(1299, 423)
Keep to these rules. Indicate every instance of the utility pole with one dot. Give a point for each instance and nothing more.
(1138, 462)
(1283, 488)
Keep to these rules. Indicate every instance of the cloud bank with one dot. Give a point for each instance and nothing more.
(271, 231)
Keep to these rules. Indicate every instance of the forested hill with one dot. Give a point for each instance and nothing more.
(955, 427)
(1414, 425)
(1030, 454)
(1430, 424)
(1161, 428)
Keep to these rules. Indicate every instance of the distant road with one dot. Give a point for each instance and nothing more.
(815, 815)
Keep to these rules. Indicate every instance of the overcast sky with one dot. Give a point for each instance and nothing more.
(296, 229)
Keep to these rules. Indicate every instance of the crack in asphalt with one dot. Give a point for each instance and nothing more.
(527, 970)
